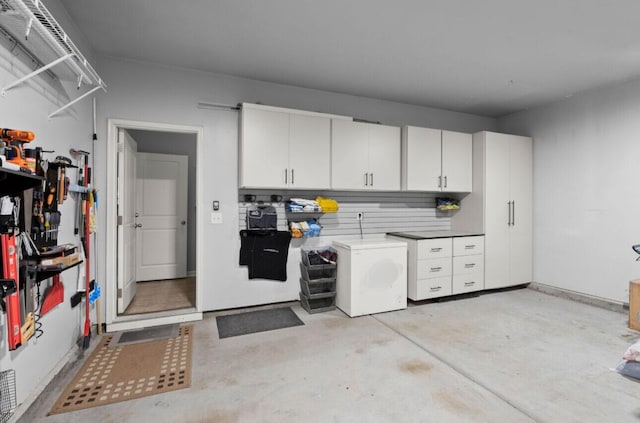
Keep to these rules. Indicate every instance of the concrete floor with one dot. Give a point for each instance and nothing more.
(513, 356)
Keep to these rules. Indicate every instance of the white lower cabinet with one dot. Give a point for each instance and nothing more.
(444, 266)
(468, 264)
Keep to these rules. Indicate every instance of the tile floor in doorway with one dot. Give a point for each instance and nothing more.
(512, 356)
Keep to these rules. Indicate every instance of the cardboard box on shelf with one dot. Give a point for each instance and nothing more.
(63, 260)
(634, 304)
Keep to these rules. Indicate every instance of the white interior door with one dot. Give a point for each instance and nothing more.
(161, 216)
(127, 149)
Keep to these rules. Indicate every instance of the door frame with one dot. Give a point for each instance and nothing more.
(113, 321)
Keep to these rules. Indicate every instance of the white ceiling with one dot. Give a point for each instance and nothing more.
(489, 57)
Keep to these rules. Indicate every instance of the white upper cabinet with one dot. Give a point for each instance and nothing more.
(436, 160)
(365, 156)
(281, 149)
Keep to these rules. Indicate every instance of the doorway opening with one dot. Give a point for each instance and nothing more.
(153, 182)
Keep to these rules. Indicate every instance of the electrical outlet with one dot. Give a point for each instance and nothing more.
(216, 218)
(360, 216)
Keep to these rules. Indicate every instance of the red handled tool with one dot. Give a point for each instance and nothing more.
(10, 271)
(87, 213)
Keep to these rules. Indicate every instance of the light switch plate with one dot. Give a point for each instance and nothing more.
(216, 218)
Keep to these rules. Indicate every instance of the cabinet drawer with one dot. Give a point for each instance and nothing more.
(468, 264)
(468, 283)
(434, 248)
(467, 245)
(434, 268)
(432, 288)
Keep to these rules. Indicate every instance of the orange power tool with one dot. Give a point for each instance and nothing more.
(15, 139)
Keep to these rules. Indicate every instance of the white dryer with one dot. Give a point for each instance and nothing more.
(372, 276)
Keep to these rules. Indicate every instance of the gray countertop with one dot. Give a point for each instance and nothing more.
(432, 234)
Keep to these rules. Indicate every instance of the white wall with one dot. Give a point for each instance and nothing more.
(144, 92)
(586, 203)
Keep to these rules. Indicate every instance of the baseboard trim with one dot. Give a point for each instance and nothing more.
(580, 297)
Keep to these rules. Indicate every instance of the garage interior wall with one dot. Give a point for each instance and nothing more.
(24, 107)
(144, 92)
(586, 156)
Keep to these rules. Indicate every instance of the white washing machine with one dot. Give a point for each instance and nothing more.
(372, 276)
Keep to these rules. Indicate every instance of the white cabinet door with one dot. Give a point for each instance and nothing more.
(421, 159)
(498, 211)
(521, 182)
(349, 154)
(309, 152)
(384, 157)
(457, 161)
(264, 148)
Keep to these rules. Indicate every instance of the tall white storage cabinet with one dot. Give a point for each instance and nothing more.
(372, 276)
(506, 165)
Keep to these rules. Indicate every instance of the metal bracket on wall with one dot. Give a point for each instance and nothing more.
(48, 43)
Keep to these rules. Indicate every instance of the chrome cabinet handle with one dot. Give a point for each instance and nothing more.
(513, 213)
(469, 283)
(366, 179)
(469, 247)
(435, 288)
(439, 181)
(371, 178)
(137, 225)
(436, 249)
(292, 177)
(436, 269)
(469, 265)
(445, 181)
(509, 206)
(286, 174)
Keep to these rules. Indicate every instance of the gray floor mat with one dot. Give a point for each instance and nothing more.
(145, 335)
(256, 321)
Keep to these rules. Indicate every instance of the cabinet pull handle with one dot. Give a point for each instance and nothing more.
(439, 181)
(470, 247)
(469, 265)
(445, 181)
(513, 213)
(292, 177)
(509, 206)
(371, 184)
(436, 249)
(436, 269)
(286, 174)
(469, 283)
(366, 179)
(435, 288)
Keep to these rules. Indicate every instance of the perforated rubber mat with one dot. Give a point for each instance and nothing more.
(114, 374)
